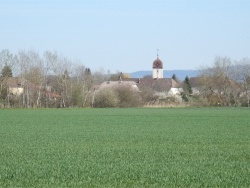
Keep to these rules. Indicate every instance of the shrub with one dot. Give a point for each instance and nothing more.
(106, 98)
(128, 97)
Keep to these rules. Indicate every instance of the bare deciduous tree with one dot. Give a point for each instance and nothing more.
(217, 83)
(242, 76)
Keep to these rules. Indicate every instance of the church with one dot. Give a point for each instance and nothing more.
(156, 83)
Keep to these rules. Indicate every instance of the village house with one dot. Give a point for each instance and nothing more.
(14, 85)
(17, 85)
(17, 88)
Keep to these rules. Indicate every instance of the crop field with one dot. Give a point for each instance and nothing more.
(162, 147)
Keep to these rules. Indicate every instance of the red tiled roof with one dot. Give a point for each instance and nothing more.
(13, 81)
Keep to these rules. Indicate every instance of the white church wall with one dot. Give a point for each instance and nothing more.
(157, 73)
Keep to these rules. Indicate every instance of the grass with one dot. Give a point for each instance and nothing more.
(171, 147)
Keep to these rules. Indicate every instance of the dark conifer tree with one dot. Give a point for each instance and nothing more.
(187, 86)
(6, 71)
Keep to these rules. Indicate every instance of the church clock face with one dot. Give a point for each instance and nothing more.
(157, 64)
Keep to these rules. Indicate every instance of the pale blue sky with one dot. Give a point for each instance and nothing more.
(124, 34)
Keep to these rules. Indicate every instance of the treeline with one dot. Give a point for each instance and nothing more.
(226, 83)
(48, 80)
(33, 80)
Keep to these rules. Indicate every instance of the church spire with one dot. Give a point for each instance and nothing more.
(157, 67)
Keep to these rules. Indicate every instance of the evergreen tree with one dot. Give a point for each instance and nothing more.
(184, 97)
(174, 77)
(187, 89)
(187, 86)
(6, 71)
(87, 71)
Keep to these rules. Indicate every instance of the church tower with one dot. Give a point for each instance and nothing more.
(157, 68)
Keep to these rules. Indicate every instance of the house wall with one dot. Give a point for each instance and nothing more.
(175, 91)
(16, 90)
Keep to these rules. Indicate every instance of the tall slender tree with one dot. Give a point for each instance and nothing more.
(187, 86)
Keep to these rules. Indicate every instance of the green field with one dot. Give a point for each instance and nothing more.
(171, 147)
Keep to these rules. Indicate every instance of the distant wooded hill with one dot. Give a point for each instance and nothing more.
(180, 74)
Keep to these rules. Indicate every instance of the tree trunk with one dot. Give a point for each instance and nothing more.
(38, 98)
(8, 98)
(93, 99)
(28, 97)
